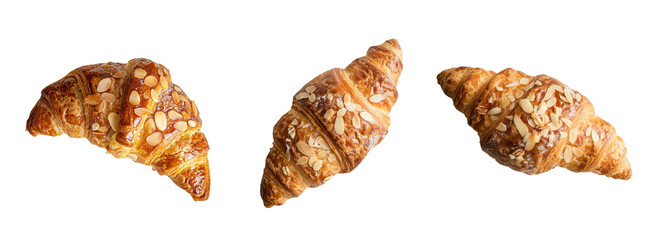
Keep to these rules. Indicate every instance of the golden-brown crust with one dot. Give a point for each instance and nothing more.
(335, 120)
(115, 106)
(533, 124)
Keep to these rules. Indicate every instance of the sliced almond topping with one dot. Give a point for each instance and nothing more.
(104, 85)
(355, 120)
(175, 97)
(119, 74)
(310, 89)
(285, 170)
(538, 83)
(578, 96)
(329, 114)
(302, 95)
(181, 126)
(174, 115)
(192, 123)
(588, 131)
(103, 129)
(322, 142)
(530, 143)
(555, 126)
(524, 81)
(567, 155)
(566, 121)
(294, 122)
(339, 124)
(347, 99)
(518, 94)
(481, 109)
(350, 106)
(161, 120)
(302, 160)
(577, 152)
(551, 102)
(531, 97)
(545, 132)
(154, 138)
(133, 156)
(526, 105)
(376, 98)
(108, 97)
(520, 126)
(141, 112)
(341, 112)
(311, 142)
(499, 88)
(511, 98)
(150, 81)
(113, 119)
(573, 135)
(549, 92)
(150, 125)
(501, 127)
(92, 99)
(563, 134)
(154, 95)
(292, 131)
(134, 98)
(339, 103)
(312, 97)
(332, 157)
(194, 108)
(164, 82)
(554, 118)
(187, 106)
(367, 116)
(510, 117)
(312, 160)
(305, 148)
(568, 95)
(512, 84)
(494, 111)
(317, 165)
(595, 136)
(95, 126)
(139, 73)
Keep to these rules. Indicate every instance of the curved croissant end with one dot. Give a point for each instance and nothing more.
(133, 110)
(335, 119)
(533, 124)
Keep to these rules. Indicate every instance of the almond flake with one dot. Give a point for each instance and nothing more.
(573, 135)
(501, 127)
(588, 131)
(310, 89)
(154, 95)
(518, 94)
(302, 95)
(150, 125)
(312, 160)
(567, 155)
(339, 124)
(104, 85)
(164, 82)
(512, 84)
(175, 97)
(150, 81)
(108, 97)
(134, 98)
(577, 152)
(95, 126)
(113, 119)
(377, 98)
(294, 122)
(154, 138)
(139, 73)
(329, 114)
(511, 98)
(317, 165)
(549, 92)
(551, 102)
(302, 160)
(192, 123)
(578, 96)
(160, 120)
(347, 99)
(174, 115)
(494, 111)
(526, 105)
(92, 99)
(350, 106)
(524, 81)
(355, 120)
(367, 116)
(339, 103)
(181, 126)
(568, 95)
(566, 121)
(312, 97)
(141, 112)
(520, 126)
(595, 136)
(305, 148)
(119, 74)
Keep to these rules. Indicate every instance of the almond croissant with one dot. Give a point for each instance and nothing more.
(132, 110)
(533, 124)
(335, 119)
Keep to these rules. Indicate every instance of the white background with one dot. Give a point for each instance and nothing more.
(242, 62)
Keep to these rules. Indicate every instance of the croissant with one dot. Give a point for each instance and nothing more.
(335, 119)
(533, 124)
(133, 110)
